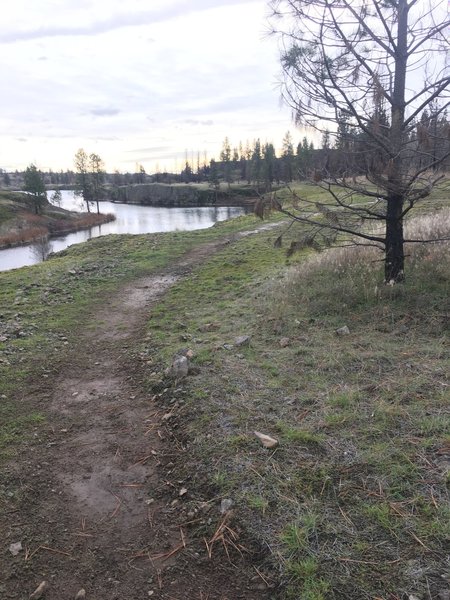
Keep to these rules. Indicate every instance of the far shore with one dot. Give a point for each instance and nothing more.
(26, 236)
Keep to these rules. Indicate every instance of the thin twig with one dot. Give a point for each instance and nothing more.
(29, 556)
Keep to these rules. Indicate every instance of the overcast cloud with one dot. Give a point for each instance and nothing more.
(137, 84)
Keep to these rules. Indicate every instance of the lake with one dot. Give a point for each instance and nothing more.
(129, 219)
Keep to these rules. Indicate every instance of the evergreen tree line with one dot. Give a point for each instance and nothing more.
(344, 153)
(256, 164)
(427, 144)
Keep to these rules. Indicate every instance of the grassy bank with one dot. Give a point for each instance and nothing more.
(353, 502)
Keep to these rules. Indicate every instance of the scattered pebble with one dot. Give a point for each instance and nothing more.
(343, 330)
(242, 340)
(266, 440)
(15, 548)
(226, 505)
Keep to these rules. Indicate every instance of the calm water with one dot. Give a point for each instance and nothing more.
(129, 219)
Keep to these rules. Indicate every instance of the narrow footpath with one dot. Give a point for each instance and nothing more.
(101, 514)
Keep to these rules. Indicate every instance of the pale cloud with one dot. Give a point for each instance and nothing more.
(178, 75)
(120, 20)
(104, 112)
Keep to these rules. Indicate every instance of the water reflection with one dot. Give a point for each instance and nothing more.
(129, 219)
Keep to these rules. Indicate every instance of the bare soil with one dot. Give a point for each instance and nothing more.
(97, 505)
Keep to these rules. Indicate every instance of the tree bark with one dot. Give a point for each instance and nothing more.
(394, 264)
(394, 257)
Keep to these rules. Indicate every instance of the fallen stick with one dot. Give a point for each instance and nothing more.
(39, 591)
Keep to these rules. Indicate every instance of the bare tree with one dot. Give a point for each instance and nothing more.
(56, 198)
(82, 177)
(41, 248)
(97, 176)
(374, 67)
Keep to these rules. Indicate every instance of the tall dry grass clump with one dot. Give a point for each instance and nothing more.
(23, 236)
(343, 279)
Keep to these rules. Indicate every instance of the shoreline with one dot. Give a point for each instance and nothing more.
(45, 232)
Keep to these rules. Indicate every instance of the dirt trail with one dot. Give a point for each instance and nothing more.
(99, 508)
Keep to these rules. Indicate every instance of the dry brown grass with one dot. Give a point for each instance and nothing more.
(25, 236)
(32, 227)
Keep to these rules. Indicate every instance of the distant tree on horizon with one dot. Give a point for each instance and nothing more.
(89, 177)
(82, 180)
(35, 186)
(56, 198)
(97, 175)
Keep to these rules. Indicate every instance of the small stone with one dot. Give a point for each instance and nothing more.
(183, 491)
(39, 591)
(81, 594)
(266, 440)
(343, 330)
(228, 346)
(209, 327)
(242, 340)
(284, 342)
(15, 548)
(179, 368)
(226, 505)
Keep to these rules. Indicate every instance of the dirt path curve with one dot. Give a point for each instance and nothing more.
(100, 511)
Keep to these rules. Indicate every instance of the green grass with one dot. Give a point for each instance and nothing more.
(360, 419)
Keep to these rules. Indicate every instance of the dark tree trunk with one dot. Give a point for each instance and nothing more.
(395, 258)
(394, 263)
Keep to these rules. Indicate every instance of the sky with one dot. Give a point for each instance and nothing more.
(140, 81)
